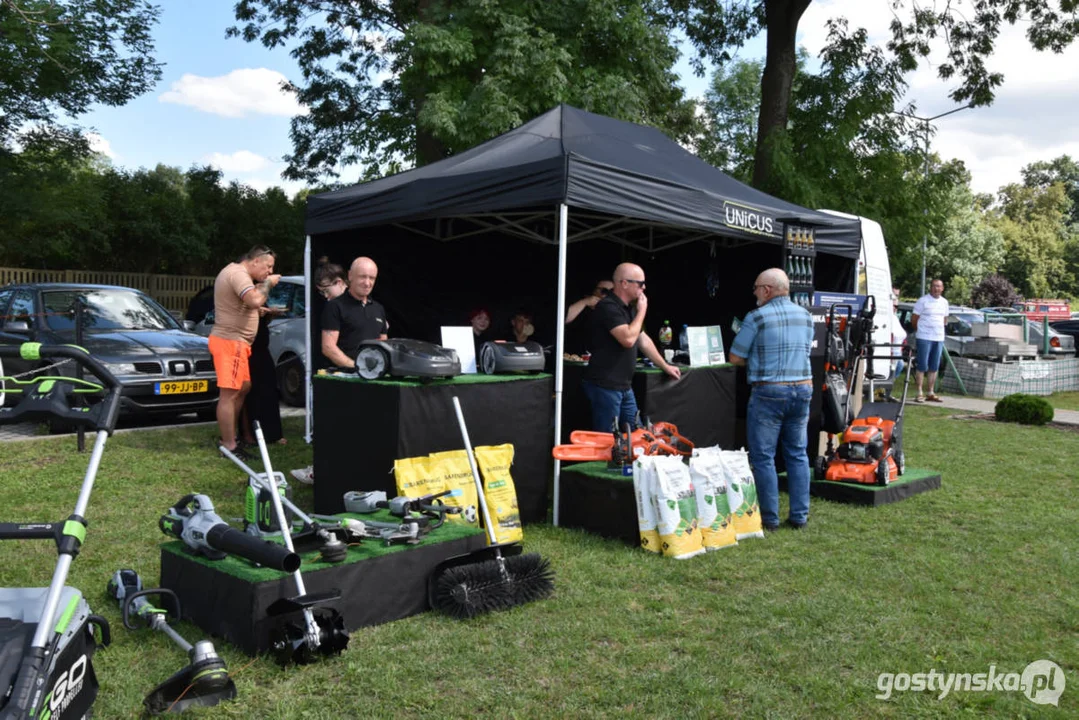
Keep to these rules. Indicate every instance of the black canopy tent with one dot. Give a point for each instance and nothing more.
(626, 183)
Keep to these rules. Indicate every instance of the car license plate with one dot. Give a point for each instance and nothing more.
(181, 387)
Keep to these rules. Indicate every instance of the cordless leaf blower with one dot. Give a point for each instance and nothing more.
(193, 520)
(205, 681)
(47, 635)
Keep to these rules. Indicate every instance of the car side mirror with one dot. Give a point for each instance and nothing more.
(209, 319)
(189, 325)
(18, 326)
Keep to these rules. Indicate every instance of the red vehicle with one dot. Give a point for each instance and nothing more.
(1038, 308)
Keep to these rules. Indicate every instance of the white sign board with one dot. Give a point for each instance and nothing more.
(461, 340)
(705, 346)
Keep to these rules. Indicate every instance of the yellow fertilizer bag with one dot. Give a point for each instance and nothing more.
(644, 476)
(713, 506)
(453, 473)
(415, 478)
(494, 462)
(676, 505)
(743, 494)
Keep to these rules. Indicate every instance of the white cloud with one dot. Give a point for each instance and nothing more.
(243, 92)
(1035, 115)
(241, 161)
(100, 145)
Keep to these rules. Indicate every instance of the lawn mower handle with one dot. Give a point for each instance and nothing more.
(55, 402)
(37, 351)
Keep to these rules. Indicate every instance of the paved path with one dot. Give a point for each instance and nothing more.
(33, 431)
(982, 405)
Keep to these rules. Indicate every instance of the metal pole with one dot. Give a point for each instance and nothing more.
(308, 359)
(925, 210)
(80, 436)
(560, 344)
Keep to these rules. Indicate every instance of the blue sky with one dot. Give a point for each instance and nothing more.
(218, 102)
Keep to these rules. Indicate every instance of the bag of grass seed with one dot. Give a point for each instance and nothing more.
(644, 480)
(709, 478)
(415, 478)
(452, 471)
(747, 511)
(676, 504)
(494, 462)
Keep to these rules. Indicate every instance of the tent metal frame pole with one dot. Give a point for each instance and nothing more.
(308, 356)
(560, 345)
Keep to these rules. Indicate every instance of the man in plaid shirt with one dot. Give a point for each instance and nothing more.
(774, 344)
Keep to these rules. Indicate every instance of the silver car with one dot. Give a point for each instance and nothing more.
(287, 342)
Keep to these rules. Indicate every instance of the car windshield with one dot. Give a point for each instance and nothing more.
(106, 309)
(959, 323)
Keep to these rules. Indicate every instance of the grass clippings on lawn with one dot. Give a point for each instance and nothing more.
(982, 573)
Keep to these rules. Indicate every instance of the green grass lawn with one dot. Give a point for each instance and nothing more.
(984, 572)
(1064, 400)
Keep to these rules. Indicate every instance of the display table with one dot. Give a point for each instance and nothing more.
(701, 404)
(910, 483)
(598, 500)
(228, 598)
(363, 426)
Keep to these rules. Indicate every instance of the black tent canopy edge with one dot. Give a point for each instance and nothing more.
(624, 182)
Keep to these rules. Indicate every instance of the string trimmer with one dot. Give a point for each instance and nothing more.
(320, 630)
(205, 681)
(492, 578)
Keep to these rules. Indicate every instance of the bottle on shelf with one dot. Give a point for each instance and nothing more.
(666, 334)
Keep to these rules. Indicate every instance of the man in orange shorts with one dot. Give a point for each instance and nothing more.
(240, 289)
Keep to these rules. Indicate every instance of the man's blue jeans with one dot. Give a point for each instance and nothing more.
(606, 404)
(779, 414)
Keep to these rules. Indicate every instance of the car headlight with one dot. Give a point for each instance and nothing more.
(121, 368)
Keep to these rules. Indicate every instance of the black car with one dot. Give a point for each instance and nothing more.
(164, 368)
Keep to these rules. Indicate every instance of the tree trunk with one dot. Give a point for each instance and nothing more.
(429, 149)
(781, 18)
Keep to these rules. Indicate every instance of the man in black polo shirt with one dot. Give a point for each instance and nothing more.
(353, 316)
(617, 334)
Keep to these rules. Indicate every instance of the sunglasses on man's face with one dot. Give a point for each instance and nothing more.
(602, 290)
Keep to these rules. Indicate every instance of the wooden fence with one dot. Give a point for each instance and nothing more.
(174, 292)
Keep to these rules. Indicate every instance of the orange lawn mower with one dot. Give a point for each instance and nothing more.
(870, 447)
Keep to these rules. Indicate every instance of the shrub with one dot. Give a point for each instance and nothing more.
(994, 291)
(1024, 409)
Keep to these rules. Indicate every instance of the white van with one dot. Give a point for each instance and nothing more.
(873, 275)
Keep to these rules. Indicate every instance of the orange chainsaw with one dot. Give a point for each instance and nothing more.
(587, 446)
(659, 439)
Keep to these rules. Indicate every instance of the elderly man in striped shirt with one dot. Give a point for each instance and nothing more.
(774, 344)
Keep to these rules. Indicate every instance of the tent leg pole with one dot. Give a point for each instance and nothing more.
(308, 359)
(560, 346)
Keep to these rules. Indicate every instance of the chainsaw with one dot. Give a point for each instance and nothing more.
(660, 439)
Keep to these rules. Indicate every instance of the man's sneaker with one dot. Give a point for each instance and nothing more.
(795, 525)
(304, 475)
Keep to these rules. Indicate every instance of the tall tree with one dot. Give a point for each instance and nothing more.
(966, 248)
(62, 56)
(389, 84)
(843, 146)
(969, 36)
(1034, 223)
(1061, 170)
